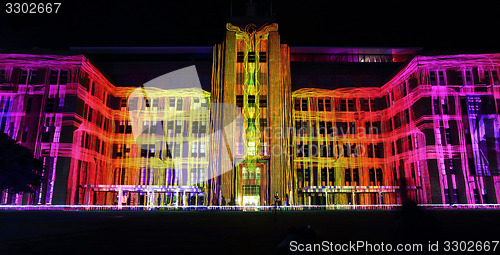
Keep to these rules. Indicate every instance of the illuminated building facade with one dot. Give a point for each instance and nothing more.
(321, 126)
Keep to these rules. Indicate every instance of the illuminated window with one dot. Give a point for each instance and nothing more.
(441, 78)
(151, 150)
(262, 101)
(351, 105)
(304, 104)
(296, 104)
(54, 75)
(468, 77)
(240, 56)
(151, 176)
(433, 78)
(194, 150)
(328, 104)
(321, 106)
(195, 127)
(244, 173)
(262, 57)
(202, 150)
(24, 77)
(251, 57)
(178, 127)
(179, 104)
(494, 76)
(343, 105)
(203, 127)
(239, 100)
(251, 100)
(251, 149)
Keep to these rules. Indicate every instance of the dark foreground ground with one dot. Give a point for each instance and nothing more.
(211, 232)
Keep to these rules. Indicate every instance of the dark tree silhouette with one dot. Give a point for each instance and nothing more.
(19, 170)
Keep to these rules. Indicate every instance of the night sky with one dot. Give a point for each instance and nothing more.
(459, 26)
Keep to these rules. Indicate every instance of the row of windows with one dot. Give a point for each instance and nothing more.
(336, 128)
(251, 100)
(97, 118)
(172, 150)
(156, 127)
(463, 77)
(35, 77)
(92, 142)
(338, 149)
(251, 57)
(351, 176)
(344, 105)
(147, 176)
(162, 103)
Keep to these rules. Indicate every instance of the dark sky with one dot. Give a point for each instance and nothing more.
(461, 25)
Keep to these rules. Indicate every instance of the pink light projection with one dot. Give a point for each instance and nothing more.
(436, 125)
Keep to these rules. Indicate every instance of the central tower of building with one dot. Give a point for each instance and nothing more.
(251, 69)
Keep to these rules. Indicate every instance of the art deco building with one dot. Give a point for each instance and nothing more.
(318, 125)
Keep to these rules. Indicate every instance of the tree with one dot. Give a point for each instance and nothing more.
(20, 171)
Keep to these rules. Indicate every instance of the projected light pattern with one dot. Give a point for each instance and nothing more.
(431, 131)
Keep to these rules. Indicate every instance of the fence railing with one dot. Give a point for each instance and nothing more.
(238, 208)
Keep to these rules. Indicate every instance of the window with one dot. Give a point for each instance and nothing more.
(151, 150)
(24, 77)
(24, 136)
(179, 104)
(251, 100)
(296, 104)
(494, 76)
(328, 104)
(352, 128)
(304, 104)
(321, 106)
(441, 77)
(448, 136)
(379, 176)
(468, 77)
(54, 75)
(262, 57)
(195, 127)
(369, 150)
(177, 150)
(194, 150)
(240, 56)
(343, 105)
(438, 136)
(365, 104)
(435, 102)
(239, 100)
(203, 127)
(433, 78)
(351, 105)
(2, 76)
(178, 127)
(202, 150)
(251, 57)
(348, 177)
(244, 173)
(263, 101)
(376, 127)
